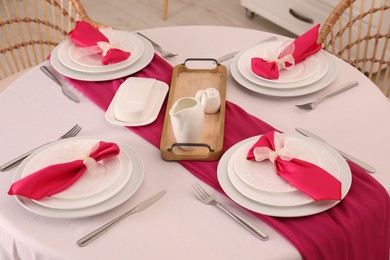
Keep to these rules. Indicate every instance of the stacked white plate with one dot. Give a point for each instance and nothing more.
(256, 185)
(308, 76)
(101, 188)
(66, 60)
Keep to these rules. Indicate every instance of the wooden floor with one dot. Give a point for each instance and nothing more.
(142, 14)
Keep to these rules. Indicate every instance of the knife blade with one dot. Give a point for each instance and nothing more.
(349, 157)
(232, 54)
(64, 89)
(101, 230)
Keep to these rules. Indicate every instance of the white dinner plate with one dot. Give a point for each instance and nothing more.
(94, 186)
(160, 90)
(321, 68)
(289, 199)
(92, 63)
(281, 211)
(260, 182)
(329, 76)
(130, 187)
(299, 72)
(138, 65)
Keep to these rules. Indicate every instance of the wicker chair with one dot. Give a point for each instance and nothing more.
(30, 29)
(358, 32)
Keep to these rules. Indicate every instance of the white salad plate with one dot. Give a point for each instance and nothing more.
(68, 52)
(260, 182)
(114, 197)
(299, 72)
(138, 65)
(302, 208)
(328, 78)
(94, 186)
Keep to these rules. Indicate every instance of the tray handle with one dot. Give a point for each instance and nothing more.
(170, 149)
(200, 59)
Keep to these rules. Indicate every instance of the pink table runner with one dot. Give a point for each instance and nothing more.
(357, 228)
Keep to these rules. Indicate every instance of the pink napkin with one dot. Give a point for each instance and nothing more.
(307, 177)
(303, 47)
(357, 228)
(85, 35)
(58, 177)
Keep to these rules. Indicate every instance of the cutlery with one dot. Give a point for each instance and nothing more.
(164, 53)
(71, 133)
(313, 105)
(205, 198)
(101, 230)
(364, 165)
(64, 89)
(232, 54)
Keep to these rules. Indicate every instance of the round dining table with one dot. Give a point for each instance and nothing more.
(34, 111)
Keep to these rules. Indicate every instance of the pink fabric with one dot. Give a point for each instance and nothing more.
(85, 35)
(357, 228)
(58, 177)
(305, 46)
(307, 177)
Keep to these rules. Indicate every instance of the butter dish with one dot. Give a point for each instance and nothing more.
(137, 102)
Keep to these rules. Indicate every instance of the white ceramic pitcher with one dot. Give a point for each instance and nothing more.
(187, 118)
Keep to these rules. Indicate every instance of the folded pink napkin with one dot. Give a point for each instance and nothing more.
(85, 35)
(307, 177)
(342, 232)
(58, 177)
(303, 47)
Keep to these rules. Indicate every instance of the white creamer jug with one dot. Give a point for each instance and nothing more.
(210, 100)
(187, 118)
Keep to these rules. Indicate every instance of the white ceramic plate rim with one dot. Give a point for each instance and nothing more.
(294, 211)
(123, 195)
(130, 43)
(319, 72)
(141, 63)
(293, 198)
(285, 196)
(306, 68)
(66, 58)
(269, 181)
(283, 92)
(104, 192)
(159, 86)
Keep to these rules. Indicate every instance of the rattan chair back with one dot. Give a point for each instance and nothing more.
(358, 31)
(30, 29)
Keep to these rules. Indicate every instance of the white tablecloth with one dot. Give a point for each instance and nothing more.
(33, 111)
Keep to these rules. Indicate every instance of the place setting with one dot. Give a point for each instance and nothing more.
(284, 175)
(91, 54)
(285, 68)
(77, 177)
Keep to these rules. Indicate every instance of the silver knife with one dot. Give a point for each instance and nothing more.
(364, 165)
(100, 231)
(232, 54)
(64, 89)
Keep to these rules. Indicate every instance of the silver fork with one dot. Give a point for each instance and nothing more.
(71, 133)
(205, 198)
(313, 105)
(164, 53)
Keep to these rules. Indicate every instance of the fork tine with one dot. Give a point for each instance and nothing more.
(202, 191)
(72, 132)
(196, 192)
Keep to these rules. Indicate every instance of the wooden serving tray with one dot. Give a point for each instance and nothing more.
(185, 83)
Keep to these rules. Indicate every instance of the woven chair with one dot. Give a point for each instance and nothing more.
(358, 31)
(30, 29)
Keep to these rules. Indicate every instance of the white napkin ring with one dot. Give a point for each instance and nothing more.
(262, 153)
(90, 163)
